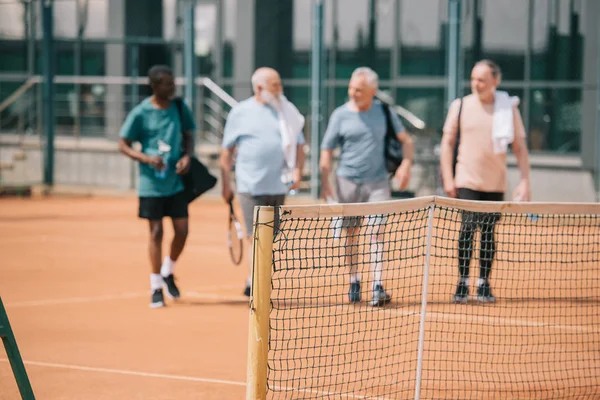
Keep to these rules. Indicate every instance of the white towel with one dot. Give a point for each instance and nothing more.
(503, 129)
(291, 123)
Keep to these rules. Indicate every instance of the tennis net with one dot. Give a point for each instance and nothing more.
(522, 322)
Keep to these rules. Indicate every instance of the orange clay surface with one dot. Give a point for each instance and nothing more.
(74, 280)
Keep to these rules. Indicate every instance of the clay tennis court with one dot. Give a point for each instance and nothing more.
(74, 280)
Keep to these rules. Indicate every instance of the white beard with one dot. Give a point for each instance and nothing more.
(270, 98)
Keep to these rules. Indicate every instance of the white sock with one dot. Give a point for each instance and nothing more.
(376, 261)
(156, 281)
(168, 266)
(354, 278)
(481, 281)
(249, 281)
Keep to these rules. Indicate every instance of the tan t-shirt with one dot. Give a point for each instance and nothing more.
(478, 167)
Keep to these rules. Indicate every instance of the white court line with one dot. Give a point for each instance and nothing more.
(129, 372)
(493, 320)
(74, 300)
(179, 378)
(215, 296)
(91, 299)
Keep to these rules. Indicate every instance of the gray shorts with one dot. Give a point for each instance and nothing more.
(368, 192)
(248, 202)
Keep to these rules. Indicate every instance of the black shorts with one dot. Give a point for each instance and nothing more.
(468, 194)
(480, 218)
(155, 208)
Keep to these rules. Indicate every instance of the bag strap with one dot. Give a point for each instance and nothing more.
(179, 104)
(388, 121)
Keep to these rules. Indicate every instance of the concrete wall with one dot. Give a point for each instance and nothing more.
(97, 163)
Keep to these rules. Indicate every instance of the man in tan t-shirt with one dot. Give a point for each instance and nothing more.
(480, 171)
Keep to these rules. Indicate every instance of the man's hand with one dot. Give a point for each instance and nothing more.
(450, 188)
(402, 175)
(183, 165)
(227, 193)
(326, 192)
(522, 192)
(296, 179)
(154, 161)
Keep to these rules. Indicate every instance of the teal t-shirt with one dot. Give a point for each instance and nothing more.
(159, 133)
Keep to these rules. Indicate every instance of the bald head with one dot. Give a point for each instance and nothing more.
(266, 84)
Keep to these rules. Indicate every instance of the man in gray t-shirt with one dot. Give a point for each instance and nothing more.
(359, 129)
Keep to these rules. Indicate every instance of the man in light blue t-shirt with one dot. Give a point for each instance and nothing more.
(359, 128)
(155, 124)
(259, 128)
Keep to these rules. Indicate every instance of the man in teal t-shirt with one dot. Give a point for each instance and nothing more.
(156, 125)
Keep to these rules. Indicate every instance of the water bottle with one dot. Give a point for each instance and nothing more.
(163, 151)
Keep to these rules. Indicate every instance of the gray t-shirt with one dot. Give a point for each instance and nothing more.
(360, 134)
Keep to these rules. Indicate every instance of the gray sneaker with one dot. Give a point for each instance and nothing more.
(354, 293)
(380, 297)
(157, 300)
(462, 293)
(484, 293)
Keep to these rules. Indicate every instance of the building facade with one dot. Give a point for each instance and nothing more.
(547, 49)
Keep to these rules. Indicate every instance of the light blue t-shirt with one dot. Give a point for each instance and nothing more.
(361, 136)
(148, 125)
(253, 128)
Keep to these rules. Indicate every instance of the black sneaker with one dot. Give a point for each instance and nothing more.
(484, 293)
(380, 297)
(462, 293)
(247, 291)
(172, 290)
(157, 300)
(354, 293)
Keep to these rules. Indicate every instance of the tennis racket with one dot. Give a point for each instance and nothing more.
(235, 237)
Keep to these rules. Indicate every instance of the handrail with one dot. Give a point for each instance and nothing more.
(218, 91)
(17, 93)
(206, 82)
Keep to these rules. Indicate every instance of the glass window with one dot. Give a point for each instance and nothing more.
(171, 26)
(14, 55)
(557, 40)
(422, 38)
(229, 32)
(302, 37)
(93, 57)
(493, 40)
(65, 19)
(555, 120)
(363, 32)
(428, 104)
(12, 21)
(96, 19)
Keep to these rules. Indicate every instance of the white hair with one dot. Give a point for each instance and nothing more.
(370, 75)
(259, 78)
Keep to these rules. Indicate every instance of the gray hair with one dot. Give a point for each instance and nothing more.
(370, 75)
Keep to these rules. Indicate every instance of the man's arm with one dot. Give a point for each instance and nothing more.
(447, 149)
(402, 174)
(408, 146)
(325, 168)
(297, 174)
(226, 164)
(519, 147)
(125, 147)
